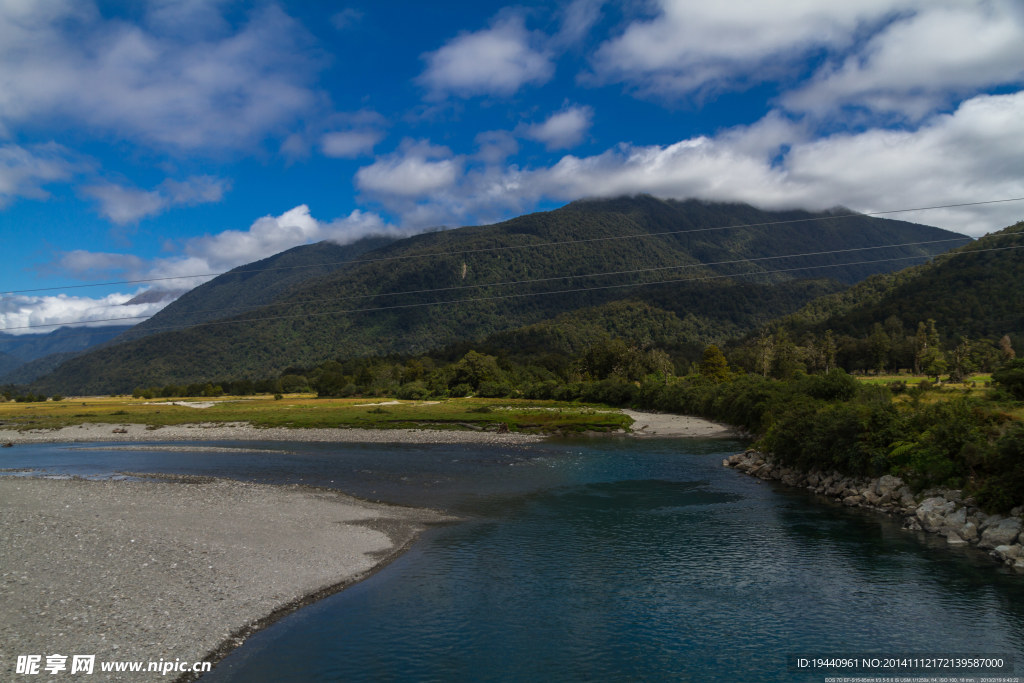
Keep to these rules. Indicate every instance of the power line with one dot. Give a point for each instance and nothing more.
(567, 291)
(574, 290)
(518, 246)
(518, 282)
(293, 302)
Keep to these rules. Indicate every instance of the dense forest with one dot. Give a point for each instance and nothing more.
(720, 269)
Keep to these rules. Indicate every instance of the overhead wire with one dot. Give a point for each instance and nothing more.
(518, 246)
(566, 291)
(293, 302)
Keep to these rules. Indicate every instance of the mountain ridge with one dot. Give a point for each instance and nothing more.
(433, 289)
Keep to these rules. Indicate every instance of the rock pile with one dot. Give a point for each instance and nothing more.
(938, 511)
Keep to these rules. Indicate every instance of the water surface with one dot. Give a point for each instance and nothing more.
(601, 560)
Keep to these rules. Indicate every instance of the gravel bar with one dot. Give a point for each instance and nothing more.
(243, 431)
(141, 570)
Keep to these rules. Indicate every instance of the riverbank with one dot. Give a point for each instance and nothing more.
(671, 425)
(146, 571)
(243, 431)
(944, 512)
(645, 424)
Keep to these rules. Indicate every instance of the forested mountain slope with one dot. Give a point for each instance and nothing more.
(438, 288)
(975, 290)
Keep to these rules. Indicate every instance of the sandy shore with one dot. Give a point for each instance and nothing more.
(645, 424)
(243, 431)
(150, 570)
(669, 425)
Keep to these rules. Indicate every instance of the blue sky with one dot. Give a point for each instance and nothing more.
(167, 138)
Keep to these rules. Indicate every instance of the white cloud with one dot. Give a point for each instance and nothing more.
(904, 56)
(346, 18)
(201, 258)
(171, 85)
(578, 18)
(47, 313)
(918, 63)
(24, 171)
(563, 129)
(692, 45)
(973, 154)
(349, 144)
(495, 146)
(124, 205)
(417, 169)
(495, 61)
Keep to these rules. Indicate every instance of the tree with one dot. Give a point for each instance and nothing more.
(880, 345)
(1006, 348)
(1011, 378)
(961, 358)
(920, 345)
(475, 368)
(713, 364)
(933, 362)
(828, 350)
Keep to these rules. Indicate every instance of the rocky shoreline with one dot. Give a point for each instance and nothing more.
(939, 511)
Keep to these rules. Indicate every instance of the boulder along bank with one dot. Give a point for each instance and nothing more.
(944, 512)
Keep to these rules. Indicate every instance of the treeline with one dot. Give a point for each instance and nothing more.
(833, 421)
(795, 399)
(19, 395)
(885, 348)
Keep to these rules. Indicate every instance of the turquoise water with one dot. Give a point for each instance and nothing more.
(604, 560)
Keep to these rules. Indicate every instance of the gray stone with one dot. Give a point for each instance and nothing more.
(953, 538)
(932, 512)
(957, 519)
(1004, 532)
(853, 500)
(887, 484)
(969, 532)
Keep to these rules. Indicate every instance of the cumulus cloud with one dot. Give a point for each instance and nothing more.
(25, 171)
(692, 45)
(907, 56)
(562, 129)
(181, 80)
(348, 144)
(123, 205)
(975, 153)
(418, 168)
(198, 261)
(578, 18)
(494, 61)
(40, 314)
(916, 64)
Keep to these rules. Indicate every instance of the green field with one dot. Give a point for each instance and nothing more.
(305, 411)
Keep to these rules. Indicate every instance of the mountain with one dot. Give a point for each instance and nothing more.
(8, 363)
(255, 284)
(435, 289)
(24, 358)
(976, 290)
(26, 373)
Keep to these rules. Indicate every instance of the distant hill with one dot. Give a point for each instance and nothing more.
(256, 284)
(972, 291)
(8, 363)
(26, 357)
(435, 289)
(26, 373)
(28, 347)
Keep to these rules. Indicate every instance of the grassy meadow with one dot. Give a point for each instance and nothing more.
(306, 411)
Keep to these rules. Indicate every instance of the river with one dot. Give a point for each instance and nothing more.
(602, 559)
